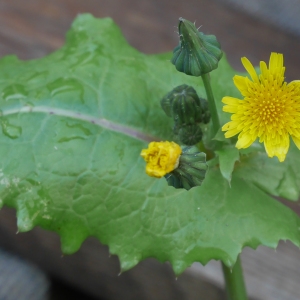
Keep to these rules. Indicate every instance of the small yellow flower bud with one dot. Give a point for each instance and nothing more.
(161, 158)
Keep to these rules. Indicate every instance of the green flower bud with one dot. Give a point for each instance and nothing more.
(190, 171)
(190, 134)
(197, 53)
(205, 118)
(185, 107)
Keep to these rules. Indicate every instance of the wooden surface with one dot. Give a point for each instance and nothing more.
(33, 28)
(94, 271)
(38, 27)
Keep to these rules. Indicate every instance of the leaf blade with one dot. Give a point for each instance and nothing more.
(74, 167)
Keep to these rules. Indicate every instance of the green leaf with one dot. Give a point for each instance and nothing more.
(273, 177)
(220, 136)
(228, 156)
(73, 126)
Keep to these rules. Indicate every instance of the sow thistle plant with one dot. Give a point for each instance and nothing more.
(74, 124)
(269, 111)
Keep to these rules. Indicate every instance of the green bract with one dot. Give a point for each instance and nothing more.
(73, 126)
(191, 170)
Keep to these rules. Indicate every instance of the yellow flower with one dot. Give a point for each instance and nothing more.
(269, 111)
(161, 158)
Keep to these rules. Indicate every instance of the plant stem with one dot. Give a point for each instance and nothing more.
(211, 104)
(234, 280)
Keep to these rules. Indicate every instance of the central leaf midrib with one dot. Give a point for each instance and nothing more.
(102, 122)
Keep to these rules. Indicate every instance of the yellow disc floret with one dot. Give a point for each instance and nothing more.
(269, 111)
(161, 158)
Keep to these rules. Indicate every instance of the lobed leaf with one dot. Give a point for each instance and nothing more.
(73, 125)
(228, 156)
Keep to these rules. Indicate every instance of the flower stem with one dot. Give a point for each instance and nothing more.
(234, 280)
(211, 104)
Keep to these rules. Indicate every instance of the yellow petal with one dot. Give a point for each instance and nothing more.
(244, 141)
(231, 101)
(295, 84)
(241, 83)
(275, 148)
(250, 69)
(231, 132)
(275, 62)
(230, 125)
(295, 81)
(263, 69)
(230, 108)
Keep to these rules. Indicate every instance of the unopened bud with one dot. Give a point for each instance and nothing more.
(188, 112)
(185, 107)
(190, 134)
(190, 171)
(197, 53)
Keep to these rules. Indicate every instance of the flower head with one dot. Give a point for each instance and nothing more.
(269, 111)
(161, 158)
